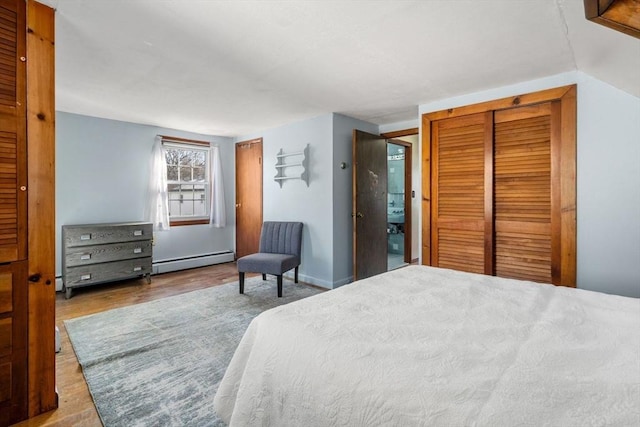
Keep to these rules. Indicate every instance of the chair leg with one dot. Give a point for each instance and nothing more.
(264, 276)
(279, 285)
(295, 275)
(241, 282)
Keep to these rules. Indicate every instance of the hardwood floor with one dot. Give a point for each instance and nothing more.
(75, 405)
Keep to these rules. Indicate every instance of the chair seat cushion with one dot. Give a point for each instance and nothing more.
(267, 263)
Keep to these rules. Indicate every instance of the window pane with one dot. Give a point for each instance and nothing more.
(199, 208)
(172, 173)
(171, 156)
(199, 158)
(174, 208)
(199, 174)
(187, 208)
(188, 165)
(185, 173)
(186, 158)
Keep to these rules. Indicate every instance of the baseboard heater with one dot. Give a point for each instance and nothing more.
(176, 264)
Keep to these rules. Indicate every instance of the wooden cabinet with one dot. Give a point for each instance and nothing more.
(99, 253)
(499, 187)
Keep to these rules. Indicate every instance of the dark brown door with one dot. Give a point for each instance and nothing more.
(369, 204)
(248, 196)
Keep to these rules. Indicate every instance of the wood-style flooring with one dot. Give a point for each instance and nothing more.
(75, 405)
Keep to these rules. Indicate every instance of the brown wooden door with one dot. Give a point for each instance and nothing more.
(461, 196)
(248, 196)
(369, 204)
(523, 203)
(13, 214)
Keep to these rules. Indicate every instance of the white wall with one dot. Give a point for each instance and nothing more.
(608, 188)
(608, 178)
(325, 206)
(102, 172)
(312, 205)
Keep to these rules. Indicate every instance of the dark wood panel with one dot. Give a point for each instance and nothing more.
(370, 204)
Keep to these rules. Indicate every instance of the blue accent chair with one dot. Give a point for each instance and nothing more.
(280, 246)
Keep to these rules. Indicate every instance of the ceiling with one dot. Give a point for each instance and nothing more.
(232, 68)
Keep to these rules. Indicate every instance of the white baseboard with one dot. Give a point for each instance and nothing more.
(192, 262)
(58, 284)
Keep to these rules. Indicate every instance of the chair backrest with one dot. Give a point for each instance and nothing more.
(281, 238)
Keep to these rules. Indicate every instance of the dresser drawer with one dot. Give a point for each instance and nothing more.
(105, 272)
(85, 255)
(102, 234)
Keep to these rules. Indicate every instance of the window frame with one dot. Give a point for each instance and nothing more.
(169, 143)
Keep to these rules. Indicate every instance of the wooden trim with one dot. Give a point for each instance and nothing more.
(426, 191)
(619, 15)
(178, 223)
(489, 261)
(399, 133)
(166, 138)
(41, 206)
(408, 205)
(499, 104)
(556, 171)
(568, 124)
(408, 178)
(435, 130)
(408, 225)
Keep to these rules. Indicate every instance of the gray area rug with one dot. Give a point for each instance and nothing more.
(159, 363)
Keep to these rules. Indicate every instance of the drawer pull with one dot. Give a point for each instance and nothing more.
(137, 250)
(85, 277)
(85, 237)
(85, 257)
(137, 232)
(137, 268)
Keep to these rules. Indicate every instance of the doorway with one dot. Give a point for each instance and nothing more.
(382, 203)
(396, 205)
(248, 196)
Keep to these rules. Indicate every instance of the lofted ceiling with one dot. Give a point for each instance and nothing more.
(232, 68)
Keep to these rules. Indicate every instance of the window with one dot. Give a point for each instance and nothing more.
(188, 181)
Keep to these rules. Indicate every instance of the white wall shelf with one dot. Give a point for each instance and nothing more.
(293, 165)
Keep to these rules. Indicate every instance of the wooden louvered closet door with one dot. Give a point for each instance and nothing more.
(459, 192)
(522, 194)
(500, 197)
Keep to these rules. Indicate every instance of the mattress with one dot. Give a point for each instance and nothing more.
(423, 346)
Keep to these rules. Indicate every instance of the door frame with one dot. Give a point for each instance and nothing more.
(408, 188)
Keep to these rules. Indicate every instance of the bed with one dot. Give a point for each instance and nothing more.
(423, 346)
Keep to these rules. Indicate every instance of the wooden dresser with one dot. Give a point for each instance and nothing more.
(99, 253)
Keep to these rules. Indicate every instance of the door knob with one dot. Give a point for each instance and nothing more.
(237, 205)
(360, 215)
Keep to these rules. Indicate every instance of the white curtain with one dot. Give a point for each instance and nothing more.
(157, 210)
(218, 216)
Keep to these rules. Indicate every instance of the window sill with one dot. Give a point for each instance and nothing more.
(180, 222)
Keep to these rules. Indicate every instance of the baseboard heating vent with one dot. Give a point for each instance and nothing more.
(192, 262)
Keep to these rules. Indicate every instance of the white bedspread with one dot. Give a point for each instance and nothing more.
(423, 346)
